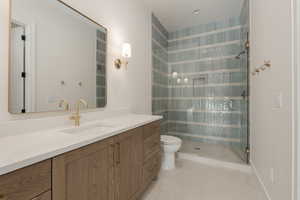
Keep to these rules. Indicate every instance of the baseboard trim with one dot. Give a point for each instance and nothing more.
(260, 180)
(215, 163)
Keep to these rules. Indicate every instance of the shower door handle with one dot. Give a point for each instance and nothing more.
(244, 94)
(118, 157)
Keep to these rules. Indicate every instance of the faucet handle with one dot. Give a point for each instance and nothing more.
(76, 116)
(83, 102)
(65, 104)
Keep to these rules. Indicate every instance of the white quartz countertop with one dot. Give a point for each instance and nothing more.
(21, 150)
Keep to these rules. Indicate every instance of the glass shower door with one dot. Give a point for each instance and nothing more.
(242, 148)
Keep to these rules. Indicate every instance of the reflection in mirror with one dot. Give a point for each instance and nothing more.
(56, 54)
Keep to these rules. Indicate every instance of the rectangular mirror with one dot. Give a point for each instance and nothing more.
(56, 53)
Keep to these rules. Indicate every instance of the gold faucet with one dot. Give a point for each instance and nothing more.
(76, 116)
(64, 104)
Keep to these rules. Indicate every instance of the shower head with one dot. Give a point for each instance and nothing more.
(239, 56)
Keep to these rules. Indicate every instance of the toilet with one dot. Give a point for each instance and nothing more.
(170, 145)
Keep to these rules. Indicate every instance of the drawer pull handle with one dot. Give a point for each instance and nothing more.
(2, 197)
(112, 146)
(119, 152)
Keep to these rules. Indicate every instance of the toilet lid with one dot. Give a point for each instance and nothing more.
(167, 139)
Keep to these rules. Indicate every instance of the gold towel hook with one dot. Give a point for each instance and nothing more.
(267, 64)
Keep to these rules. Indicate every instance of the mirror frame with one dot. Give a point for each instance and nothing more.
(54, 112)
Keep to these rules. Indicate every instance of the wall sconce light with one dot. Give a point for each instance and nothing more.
(126, 53)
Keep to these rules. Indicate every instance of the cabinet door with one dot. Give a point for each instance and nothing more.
(84, 174)
(129, 159)
(151, 138)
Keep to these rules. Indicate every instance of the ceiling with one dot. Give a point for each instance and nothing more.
(178, 14)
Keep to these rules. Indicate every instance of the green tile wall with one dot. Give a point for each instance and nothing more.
(160, 71)
(208, 107)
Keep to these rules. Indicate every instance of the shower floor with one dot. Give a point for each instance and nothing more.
(214, 151)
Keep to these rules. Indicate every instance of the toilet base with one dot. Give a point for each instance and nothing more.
(168, 161)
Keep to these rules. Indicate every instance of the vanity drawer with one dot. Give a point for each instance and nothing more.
(151, 146)
(26, 183)
(151, 129)
(151, 169)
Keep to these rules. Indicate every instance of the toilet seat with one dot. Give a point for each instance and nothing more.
(170, 145)
(168, 140)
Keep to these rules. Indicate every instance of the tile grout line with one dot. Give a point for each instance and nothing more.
(202, 59)
(204, 124)
(200, 98)
(200, 86)
(162, 47)
(206, 33)
(160, 32)
(211, 72)
(160, 59)
(197, 111)
(201, 72)
(205, 46)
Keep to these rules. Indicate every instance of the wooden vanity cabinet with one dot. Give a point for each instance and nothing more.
(151, 154)
(117, 168)
(129, 162)
(28, 183)
(85, 174)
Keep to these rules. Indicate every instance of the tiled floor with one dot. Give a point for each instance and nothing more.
(214, 151)
(193, 181)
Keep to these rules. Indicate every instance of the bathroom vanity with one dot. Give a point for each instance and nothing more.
(117, 163)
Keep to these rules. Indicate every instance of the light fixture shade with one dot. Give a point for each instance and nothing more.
(175, 74)
(126, 50)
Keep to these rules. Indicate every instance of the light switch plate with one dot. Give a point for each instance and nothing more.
(277, 101)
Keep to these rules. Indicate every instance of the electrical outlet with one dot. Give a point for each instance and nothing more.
(272, 175)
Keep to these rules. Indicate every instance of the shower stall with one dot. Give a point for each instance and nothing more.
(200, 86)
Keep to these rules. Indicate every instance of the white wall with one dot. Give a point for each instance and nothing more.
(127, 21)
(272, 127)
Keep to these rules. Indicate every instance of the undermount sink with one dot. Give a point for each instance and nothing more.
(88, 129)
